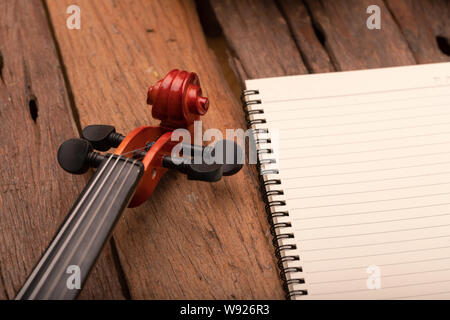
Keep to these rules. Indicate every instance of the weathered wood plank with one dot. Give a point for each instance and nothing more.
(421, 23)
(259, 37)
(191, 239)
(314, 55)
(36, 117)
(350, 44)
(3, 293)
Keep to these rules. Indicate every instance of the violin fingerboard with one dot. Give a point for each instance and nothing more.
(64, 267)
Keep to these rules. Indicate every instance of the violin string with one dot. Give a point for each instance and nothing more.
(140, 149)
(104, 216)
(135, 150)
(90, 218)
(63, 228)
(60, 250)
(144, 148)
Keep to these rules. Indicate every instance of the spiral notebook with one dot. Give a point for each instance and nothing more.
(356, 171)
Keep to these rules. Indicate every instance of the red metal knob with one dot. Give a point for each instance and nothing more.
(177, 99)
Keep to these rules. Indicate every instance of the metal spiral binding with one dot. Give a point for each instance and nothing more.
(281, 250)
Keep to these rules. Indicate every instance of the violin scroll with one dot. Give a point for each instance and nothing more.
(177, 100)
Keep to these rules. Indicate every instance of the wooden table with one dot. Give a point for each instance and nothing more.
(191, 239)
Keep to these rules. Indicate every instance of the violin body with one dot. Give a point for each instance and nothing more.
(125, 177)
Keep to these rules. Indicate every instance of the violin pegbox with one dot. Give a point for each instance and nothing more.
(177, 101)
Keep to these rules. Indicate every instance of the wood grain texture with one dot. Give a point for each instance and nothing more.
(191, 239)
(350, 44)
(36, 117)
(314, 54)
(421, 23)
(259, 37)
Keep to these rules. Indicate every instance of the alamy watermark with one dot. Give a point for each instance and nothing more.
(373, 282)
(74, 19)
(374, 20)
(73, 282)
(244, 140)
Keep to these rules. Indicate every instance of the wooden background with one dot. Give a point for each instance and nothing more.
(191, 239)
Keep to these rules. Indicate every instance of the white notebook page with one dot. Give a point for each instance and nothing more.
(364, 164)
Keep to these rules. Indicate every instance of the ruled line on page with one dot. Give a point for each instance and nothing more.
(363, 141)
(358, 103)
(383, 288)
(367, 161)
(355, 94)
(373, 150)
(375, 254)
(372, 233)
(365, 122)
(375, 243)
(368, 191)
(372, 201)
(421, 295)
(371, 212)
(374, 222)
(290, 137)
(384, 276)
(381, 265)
(366, 171)
(365, 181)
(357, 113)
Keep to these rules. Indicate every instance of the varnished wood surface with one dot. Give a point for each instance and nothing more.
(191, 239)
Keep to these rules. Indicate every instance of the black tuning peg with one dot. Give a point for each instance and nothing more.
(102, 137)
(200, 172)
(229, 154)
(224, 152)
(77, 156)
(224, 159)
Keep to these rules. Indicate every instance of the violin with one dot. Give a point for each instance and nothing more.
(125, 177)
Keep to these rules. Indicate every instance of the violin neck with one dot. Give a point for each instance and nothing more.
(65, 265)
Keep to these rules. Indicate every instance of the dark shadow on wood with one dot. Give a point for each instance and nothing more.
(33, 106)
(120, 272)
(208, 19)
(224, 53)
(73, 107)
(1, 66)
(3, 285)
(443, 45)
(320, 35)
